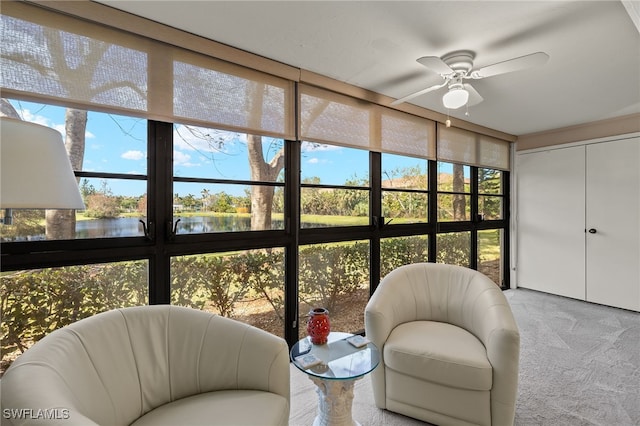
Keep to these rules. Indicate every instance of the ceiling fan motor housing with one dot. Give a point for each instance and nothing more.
(460, 61)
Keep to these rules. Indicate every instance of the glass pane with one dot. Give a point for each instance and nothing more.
(336, 277)
(323, 207)
(38, 301)
(454, 178)
(404, 172)
(398, 251)
(490, 254)
(405, 207)
(247, 286)
(102, 143)
(203, 208)
(454, 248)
(114, 208)
(201, 152)
(489, 181)
(454, 207)
(334, 165)
(490, 208)
(111, 143)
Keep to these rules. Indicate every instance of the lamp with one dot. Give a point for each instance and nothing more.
(35, 171)
(456, 97)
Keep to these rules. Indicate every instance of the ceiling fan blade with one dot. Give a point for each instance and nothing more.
(418, 93)
(435, 64)
(474, 97)
(511, 65)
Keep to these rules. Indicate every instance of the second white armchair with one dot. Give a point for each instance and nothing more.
(450, 346)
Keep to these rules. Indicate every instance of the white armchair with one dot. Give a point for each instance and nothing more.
(151, 365)
(450, 346)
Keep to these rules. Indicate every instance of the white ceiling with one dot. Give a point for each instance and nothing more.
(594, 46)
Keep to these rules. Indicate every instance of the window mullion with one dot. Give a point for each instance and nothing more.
(376, 218)
(160, 146)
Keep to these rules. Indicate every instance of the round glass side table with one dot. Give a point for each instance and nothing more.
(334, 367)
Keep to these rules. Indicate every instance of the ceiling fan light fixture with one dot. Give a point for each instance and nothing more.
(455, 98)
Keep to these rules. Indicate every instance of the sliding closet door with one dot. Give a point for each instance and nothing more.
(613, 223)
(550, 215)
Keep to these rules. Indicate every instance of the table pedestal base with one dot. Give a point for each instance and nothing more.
(335, 398)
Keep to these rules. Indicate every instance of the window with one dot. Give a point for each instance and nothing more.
(454, 248)
(226, 182)
(335, 276)
(398, 251)
(335, 186)
(109, 157)
(37, 301)
(454, 192)
(405, 198)
(490, 254)
(247, 286)
(490, 194)
(247, 193)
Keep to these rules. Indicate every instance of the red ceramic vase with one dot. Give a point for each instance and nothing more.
(318, 326)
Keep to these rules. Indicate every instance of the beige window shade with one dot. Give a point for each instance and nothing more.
(466, 147)
(328, 117)
(230, 96)
(407, 134)
(52, 57)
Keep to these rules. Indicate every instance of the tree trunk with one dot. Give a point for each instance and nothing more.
(262, 196)
(61, 224)
(459, 201)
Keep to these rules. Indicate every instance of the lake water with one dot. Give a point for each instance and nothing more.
(131, 227)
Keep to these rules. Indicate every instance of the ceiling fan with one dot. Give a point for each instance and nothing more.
(456, 67)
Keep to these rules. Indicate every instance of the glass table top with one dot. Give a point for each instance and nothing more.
(338, 359)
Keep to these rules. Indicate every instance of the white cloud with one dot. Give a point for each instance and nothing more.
(38, 119)
(182, 159)
(133, 155)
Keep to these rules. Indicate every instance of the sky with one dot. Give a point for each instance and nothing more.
(117, 144)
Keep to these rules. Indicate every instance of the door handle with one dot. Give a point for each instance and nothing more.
(592, 231)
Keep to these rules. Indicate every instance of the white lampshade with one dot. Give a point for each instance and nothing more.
(455, 98)
(35, 170)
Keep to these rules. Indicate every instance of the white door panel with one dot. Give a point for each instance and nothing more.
(550, 221)
(613, 213)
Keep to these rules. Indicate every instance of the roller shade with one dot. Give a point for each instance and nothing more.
(407, 134)
(51, 57)
(465, 147)
(228, 96)
(329, 117)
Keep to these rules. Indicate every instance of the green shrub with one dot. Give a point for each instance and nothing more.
(328, 272)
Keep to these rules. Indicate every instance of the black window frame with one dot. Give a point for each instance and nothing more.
(161, 244)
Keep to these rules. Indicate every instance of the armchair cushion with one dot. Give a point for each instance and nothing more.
(237, 408)
(443, 353)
